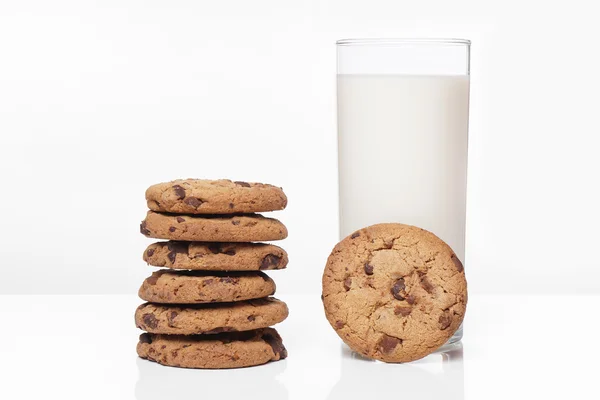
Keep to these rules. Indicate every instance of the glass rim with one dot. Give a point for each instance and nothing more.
(403, 41)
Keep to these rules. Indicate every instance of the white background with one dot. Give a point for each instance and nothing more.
(98, 100)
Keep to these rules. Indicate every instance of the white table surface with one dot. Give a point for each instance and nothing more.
(515, 347)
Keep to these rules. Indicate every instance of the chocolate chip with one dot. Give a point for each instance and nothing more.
(193, 201)
(145, 338)
(176, 248)
(217, 248)
(230, 205)
(368, 269)
(322, 298)
(150, 321)
(143, 229)
(180, 219)
(174, 353)
(457, 263)
(150, 253)
(355, 235)
(388, 244)
(172, 229)
(276, 344)
(171, 256)
(179, 191)
(171, 317)
(164, 346)
(240, 183)
(251, 318)
(347, 283)
(388, 343)
(404, 311)
(410, 299)
(339, 324)
(153, 278)
(426, 284)
(398, 289)
(270, 260)
(445, 320)
(228, 279)
(221, 329)
(235, 222)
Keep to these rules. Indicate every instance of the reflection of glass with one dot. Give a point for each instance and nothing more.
(160, 382)
(439, 375)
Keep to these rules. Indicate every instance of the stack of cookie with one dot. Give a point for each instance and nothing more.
(211, 306)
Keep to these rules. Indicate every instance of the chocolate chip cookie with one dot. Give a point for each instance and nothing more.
(210, 318)
(394, 292)
(223, 350)
(216, 256)
(191, 287)
(213, 228)
(201, 196)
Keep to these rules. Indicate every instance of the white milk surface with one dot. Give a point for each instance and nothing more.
(403, 153)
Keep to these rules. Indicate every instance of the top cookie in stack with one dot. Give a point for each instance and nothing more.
(212, 228)
(201, 196)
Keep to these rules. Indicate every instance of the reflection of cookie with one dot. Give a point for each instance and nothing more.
(178, 383)
(201, 196)
(394, 292)
(185, 287)
(216, 256)
(213, 228)
(224, 350)
(210, 318)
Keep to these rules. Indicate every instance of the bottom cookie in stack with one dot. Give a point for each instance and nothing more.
(223, 350)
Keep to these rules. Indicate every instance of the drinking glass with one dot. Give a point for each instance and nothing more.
(403, 116)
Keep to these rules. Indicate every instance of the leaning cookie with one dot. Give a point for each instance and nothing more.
(202, 196)
(224, 350)
(394, 292)
(194, 287)
(210, 318)
(216, 256)
(213, 228)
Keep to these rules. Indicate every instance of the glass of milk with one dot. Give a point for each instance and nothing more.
(403, 117)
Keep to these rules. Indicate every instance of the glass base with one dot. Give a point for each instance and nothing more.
(453, 343)
(456, 337)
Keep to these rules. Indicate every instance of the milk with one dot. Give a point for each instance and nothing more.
(403, 153)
